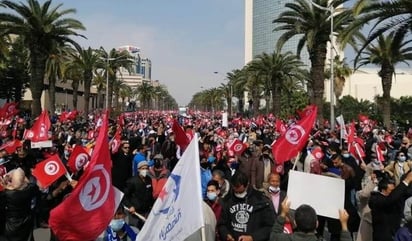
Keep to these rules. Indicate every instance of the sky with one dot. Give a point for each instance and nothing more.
(187, 41)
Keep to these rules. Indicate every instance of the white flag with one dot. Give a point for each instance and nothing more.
(341, 122)
(177, 213)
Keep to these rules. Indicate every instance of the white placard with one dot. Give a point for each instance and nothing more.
(224, 119)
(41, 144)
(325, 194)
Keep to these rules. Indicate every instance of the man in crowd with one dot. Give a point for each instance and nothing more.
(247, 214)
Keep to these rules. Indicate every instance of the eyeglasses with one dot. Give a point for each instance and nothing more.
(404, 143)
(126, 147)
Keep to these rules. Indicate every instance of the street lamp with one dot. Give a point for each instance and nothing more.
(330, 9)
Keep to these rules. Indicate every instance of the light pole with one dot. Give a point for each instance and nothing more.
(330, 9)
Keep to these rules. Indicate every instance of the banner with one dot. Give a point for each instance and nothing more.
(177, 213)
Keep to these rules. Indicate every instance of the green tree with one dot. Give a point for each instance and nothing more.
(111, 62)
(145, 93)
(313, 26)
(40, 26)
(341, 72)
(87, 60)
(387, 53)
(237, 80)
(100, 82)
(278, 69)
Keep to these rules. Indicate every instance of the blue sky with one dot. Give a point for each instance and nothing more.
(187, 41)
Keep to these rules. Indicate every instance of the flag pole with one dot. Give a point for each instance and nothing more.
(296, 160)
(136, 214)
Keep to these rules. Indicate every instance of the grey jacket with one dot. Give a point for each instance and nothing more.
(278, 235)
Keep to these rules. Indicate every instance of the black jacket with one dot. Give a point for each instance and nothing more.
(387, 212)
(121, 169)
(139, 194)
(18, 218)
(252, 215)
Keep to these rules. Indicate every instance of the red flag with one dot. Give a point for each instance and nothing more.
(9, 110)
(115, 142)
(237, 147)
(318, 153)
(180, 136)
(78, 158)
(63, 116)
(40, 129)
(287, 228)
(92, 203)
(290, 144)
(11, 146)
(363, 118)
(307, 111)
(49, 170)
(120, 120)
(280, 127)
(72, 115)
(379, 154)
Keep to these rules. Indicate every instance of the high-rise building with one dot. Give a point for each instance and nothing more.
(259, 26)
(143, 66)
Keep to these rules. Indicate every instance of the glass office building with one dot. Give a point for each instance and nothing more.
(259, 34)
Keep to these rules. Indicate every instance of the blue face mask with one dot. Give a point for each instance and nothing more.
(117, 224)
(346, 155)
(211, 196)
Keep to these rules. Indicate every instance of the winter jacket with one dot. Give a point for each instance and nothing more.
(252, 215)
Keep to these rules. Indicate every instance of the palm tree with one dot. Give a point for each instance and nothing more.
(313, 25)
(56, 65)
(125, 91)
(100, 82)
(277, 68)
(254, 85)
(87, 60)
(386, 16)
(146, 94)
(111, 62)
(341, 72)
(40, 26)
(75, 74)
(237, 80)
(386, 53)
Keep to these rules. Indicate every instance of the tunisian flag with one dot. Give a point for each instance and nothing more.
(40, 128)
(290, 144)
(237, 147)
(78, 158)
(49, 170)
(88, 210)
(180, 136)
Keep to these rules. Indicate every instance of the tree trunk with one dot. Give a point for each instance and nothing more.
(87, 80)
(317, 74)
(52, 95)
(38, 65)
(75, 86)
(386, 74)
(256, 101)
(229, 106)
(110, 93)
(100, 99)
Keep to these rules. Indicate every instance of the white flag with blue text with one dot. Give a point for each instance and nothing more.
(177, 213)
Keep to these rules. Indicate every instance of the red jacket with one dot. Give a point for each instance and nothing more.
(158, 181)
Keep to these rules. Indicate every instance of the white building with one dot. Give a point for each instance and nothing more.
(365, 84)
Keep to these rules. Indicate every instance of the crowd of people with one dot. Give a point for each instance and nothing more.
(246, 190)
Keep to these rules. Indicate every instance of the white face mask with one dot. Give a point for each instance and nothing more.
(274, 189)
(241, 195)
(143, 172)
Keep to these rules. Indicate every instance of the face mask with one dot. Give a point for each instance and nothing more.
(117, 224)
(143, 172)
(241, 195)
(274, 189)
(211, 196)
(346, 155)
(402, 158)
(66, 153)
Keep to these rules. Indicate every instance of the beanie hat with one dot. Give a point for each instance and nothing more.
(141, 164)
